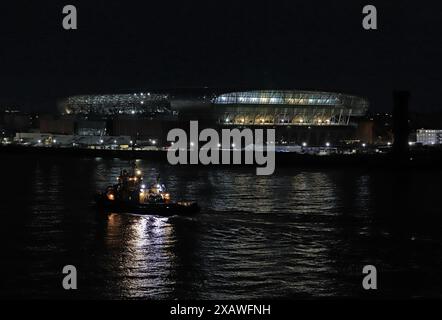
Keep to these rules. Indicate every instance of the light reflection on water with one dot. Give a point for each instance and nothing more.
(298, 233)
(147, 260)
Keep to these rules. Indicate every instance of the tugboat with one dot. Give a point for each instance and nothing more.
(130, 194)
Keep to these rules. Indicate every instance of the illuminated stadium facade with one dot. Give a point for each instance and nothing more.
(298, 116)
(296, 108)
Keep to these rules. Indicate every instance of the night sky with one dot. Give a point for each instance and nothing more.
(122, 45)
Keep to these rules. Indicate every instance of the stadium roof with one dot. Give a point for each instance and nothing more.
(293, 98)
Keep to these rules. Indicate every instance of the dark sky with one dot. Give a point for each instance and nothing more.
(221, 44)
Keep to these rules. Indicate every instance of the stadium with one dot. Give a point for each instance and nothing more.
(312, 117)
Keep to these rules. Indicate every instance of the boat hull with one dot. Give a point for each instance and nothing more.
(162, 209)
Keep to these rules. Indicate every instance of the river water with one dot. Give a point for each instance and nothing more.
(295, 234)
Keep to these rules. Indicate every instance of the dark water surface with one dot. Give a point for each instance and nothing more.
(295, 234)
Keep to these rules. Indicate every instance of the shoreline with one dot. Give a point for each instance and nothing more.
(415, 160)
